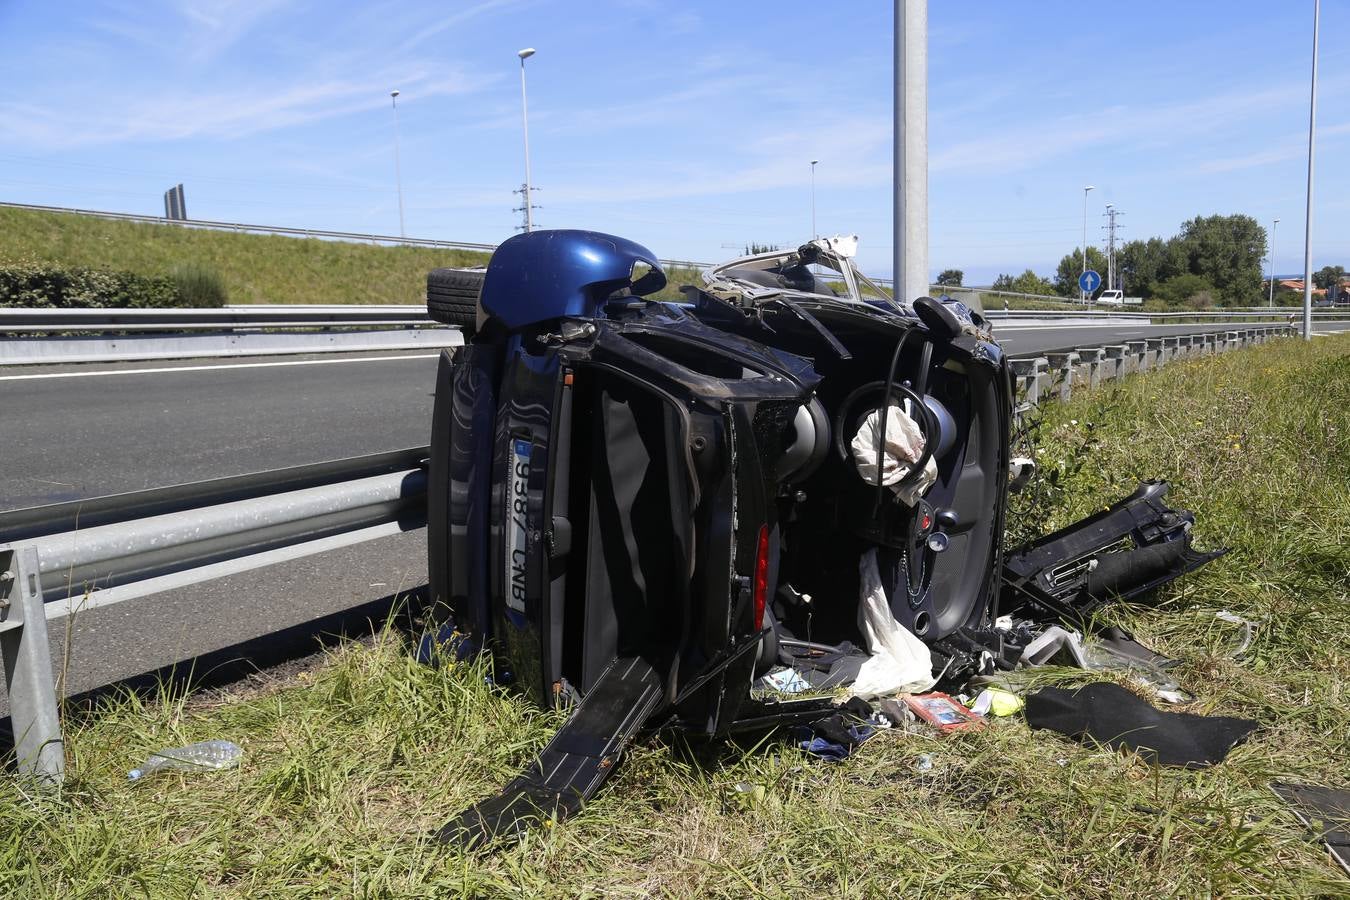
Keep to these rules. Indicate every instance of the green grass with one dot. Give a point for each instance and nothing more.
(349, 765)
(253, 268)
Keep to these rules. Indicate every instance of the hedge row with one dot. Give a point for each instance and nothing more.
(37, 283)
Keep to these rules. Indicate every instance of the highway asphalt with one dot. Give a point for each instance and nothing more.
(86, 431)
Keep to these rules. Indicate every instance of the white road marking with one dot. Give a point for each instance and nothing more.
(262, 365)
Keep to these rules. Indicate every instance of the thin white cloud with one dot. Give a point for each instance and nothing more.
(1287, 149)
(1163, 127)
(450, 20)
(232, 113)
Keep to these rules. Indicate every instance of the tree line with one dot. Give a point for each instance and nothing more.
(1212, 261)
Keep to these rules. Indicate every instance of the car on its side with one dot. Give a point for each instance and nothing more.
(639, 507)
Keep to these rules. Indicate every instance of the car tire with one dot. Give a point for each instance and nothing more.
(452, 297)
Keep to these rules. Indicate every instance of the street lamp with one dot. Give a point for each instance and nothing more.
(398, 167)
(1307, 220)
(1273, 225)
(814, 233)
(525, 119)
(1082, 293)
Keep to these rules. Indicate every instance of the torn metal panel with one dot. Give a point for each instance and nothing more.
(1132, 547)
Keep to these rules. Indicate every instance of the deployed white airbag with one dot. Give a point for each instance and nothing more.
(899, 660)
(903, 446)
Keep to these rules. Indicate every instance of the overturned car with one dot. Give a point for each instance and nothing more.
(640, 507)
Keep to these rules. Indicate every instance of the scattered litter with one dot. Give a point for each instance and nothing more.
(1115, 650)
(831, 739)
(899, 660)
(943, 712)
(748, 793)
(197, 757)
(924, 763)
(1324, 810)
(904, 445)
(899, 715)
(785, 681)
(1111, 650)
(1248, 629)
(1021, 469)
(1116, 717)
(1121, 644)
(996, 702)
(822, 667)
(1055, 644)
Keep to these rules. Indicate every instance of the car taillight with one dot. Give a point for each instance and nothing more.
(761, 590)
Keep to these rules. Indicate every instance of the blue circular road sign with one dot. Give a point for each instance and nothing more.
(1089, 281)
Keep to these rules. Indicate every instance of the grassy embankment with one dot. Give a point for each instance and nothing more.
(254, 268)
(352, 762)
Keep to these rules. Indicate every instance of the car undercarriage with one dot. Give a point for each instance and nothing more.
(640, 508)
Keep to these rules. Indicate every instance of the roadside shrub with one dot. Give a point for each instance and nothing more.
(37, 283)
(1182, 289)
(198, 285)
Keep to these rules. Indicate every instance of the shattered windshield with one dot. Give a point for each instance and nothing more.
(810, 270)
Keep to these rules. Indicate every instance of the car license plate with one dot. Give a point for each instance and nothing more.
(517, 500)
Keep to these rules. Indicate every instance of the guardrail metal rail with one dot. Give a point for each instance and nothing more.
(59, 560)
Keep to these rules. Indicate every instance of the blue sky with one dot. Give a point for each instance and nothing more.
(687, 126)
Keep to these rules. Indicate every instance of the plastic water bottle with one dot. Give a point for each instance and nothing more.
(192, 758)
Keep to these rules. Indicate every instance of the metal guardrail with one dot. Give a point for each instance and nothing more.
(59, 560)
(41, 336)
(30, 319)
(1134, 314)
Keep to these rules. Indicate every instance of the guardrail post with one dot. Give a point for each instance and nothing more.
(1156, 355)
(1170, 348)
(1232, 340)
(1183, 350)
(1114, 366)
(1138, 358)
(1090, 365)
(1029, 374)
(1061, 371)
(38, 748)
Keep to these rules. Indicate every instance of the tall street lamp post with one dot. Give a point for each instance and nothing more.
(398, 167)
(1086, 188)
(1307, 221)
(1273, 225)
(525, 119)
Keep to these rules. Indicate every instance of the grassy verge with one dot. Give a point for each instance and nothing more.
(351, 763)
(255, 268)
(252, 268)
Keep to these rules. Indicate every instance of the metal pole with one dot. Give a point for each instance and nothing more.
(910, 163)
(28, 668)
(1082, 294)
(398, 167)
(525, 119)
(814, 234)
(1273, 225)
(1308, 214)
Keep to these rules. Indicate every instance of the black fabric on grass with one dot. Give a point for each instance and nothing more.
(1116, 717)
